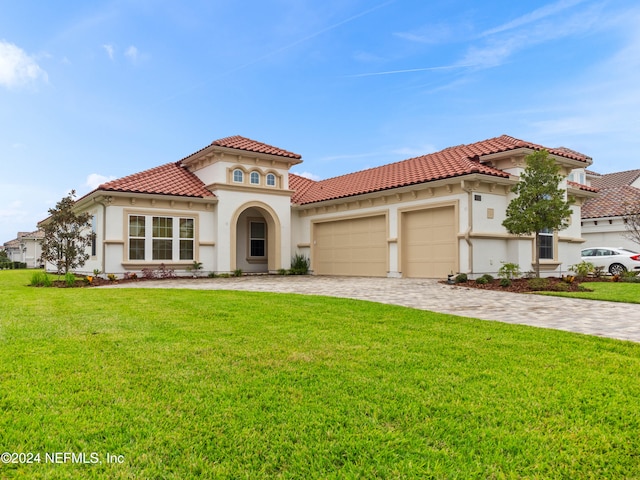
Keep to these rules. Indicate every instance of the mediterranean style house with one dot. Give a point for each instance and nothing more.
(25, 248)
(235, 205)
(603, 217)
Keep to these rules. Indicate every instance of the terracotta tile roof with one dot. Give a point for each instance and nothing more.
(299, 185)
(168, 179)
(586, 188)
(248, 145)
(447, 163)
(617, 179)
(611, 202)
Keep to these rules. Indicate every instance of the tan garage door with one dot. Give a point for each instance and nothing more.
(354, 247)
(429, 243)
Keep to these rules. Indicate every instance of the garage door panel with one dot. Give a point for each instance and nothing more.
(351, 247)
(429, 242)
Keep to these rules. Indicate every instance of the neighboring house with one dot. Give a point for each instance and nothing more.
(234, 205)
(26, 248)
(603, 217)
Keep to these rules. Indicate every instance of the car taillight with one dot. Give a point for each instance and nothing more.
(635, 257)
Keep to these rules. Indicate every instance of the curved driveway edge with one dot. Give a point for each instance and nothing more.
(604, 319)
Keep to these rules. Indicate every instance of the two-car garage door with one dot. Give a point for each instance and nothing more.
(354, 247)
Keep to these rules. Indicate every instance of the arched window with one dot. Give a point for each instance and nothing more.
(271, 180)
(238, 176)
(255, 178)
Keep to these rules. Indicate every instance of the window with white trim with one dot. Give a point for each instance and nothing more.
(136, 237)
(271, 180)
(254, 178)
(546, 244)
(238, 175)
(161, 238)
(257, 239)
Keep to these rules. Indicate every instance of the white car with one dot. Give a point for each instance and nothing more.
(614, 260)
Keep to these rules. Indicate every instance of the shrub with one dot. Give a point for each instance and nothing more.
(561, 287)
(583, 269)
(505, 282)
(509, 270)
(148, 273)
(40, 279)
(237, 272)
(482, 280)
(488, 278)
(598, 272)
(213, 275)
(537, 284)
(461, 278)
(112, 277)
(629, 277)
(299, 264)
(164, 272)
(282, 271)
(70, 279)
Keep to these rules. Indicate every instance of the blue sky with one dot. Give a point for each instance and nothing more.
(91, 91)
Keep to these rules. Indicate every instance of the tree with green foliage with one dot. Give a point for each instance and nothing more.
(66, 236)
(540, 203)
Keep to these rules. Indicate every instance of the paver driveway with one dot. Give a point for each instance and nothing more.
(606, 319)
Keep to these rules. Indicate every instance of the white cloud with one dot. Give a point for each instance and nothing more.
(109, 49)
(94, 180)
(17, 68)
(132, 53)
(310, 176)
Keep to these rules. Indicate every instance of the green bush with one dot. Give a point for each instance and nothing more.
(70, 279)
(299, 265)
(505, 282)
(481, 281)
(237, 272)
(488, 278)
(461, 278)
(583, 269)
(538, 284)
(40, 279)
(509, 270)
(282, 271)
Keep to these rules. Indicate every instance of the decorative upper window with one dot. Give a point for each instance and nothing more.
(254, 178)
(271, 180)
(238, 176)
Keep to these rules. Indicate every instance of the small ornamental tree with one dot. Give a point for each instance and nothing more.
(540, 203)
(631, 218)
(66, 236)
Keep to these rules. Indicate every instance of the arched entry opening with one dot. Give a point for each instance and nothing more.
(255, 239)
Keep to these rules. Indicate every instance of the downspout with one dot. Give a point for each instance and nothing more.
(467, 233)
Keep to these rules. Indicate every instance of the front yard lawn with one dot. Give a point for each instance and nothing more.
(609, 291)
(180, 384)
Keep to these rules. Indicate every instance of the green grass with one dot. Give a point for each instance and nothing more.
(205, 384)
(608, 291)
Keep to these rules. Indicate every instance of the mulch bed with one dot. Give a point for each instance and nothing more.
(525, 285)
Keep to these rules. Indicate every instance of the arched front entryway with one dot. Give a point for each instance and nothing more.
(255, 239)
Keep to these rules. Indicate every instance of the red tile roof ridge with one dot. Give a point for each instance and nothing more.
(247, 144)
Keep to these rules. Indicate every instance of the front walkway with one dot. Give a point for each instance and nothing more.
(605, 319)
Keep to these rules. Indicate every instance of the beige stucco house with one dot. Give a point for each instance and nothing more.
(235, 205)
(25, 248)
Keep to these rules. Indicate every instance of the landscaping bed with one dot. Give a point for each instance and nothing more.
(528, 285)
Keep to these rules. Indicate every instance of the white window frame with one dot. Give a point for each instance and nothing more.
(150, 240)
(254, 175)
(238, 176)
(547, 233)
(271, 180)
